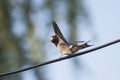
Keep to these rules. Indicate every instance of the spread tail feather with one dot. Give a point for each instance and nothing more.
(85, 45)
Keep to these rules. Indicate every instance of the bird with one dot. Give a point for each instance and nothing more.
(65, 47)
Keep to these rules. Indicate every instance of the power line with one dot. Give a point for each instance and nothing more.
(63, 58)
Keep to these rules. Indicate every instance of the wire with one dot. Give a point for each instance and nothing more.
(63, 58)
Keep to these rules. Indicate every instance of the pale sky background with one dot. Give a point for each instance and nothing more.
(103, 64)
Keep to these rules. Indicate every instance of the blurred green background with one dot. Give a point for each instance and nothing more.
(25, 28)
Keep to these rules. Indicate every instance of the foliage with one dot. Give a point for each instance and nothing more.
(20, 44)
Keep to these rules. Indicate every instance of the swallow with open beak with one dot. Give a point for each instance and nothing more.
(64, 46)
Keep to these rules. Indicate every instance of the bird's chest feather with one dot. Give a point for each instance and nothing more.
(64, 48)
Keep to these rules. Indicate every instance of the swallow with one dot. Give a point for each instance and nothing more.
(65, 47)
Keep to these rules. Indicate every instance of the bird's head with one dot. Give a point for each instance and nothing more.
(54, 39)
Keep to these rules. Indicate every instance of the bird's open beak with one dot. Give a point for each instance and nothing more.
(51, 39)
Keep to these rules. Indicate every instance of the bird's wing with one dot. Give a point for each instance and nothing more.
(80, 42)
(58, 32)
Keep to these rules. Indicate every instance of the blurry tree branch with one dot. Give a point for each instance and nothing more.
(21, 21)
(63, 58)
